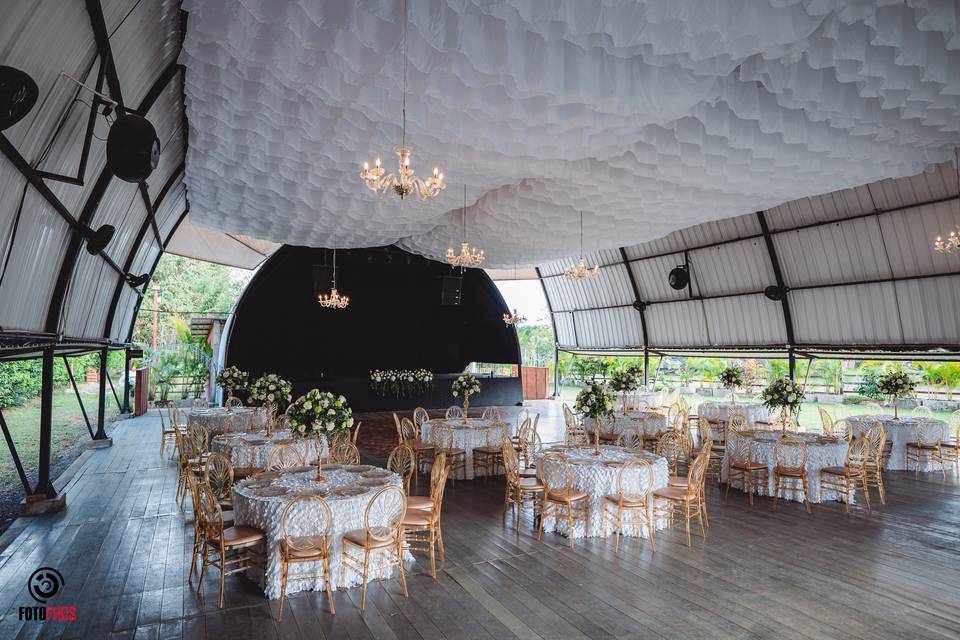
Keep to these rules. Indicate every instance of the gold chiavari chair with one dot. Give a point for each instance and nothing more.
(608, 428)
(574, 433)
(927, 447)
(189, 463)
(561, 499)
(569, 418)
(852, 475)
(379, 544)
(193, 486)
(168, 431)
(420, 416)
(530, 448)
(519, 491)
(672, 413)
(454, 412)
(672, 447)
(950, 448)
(396, 422)
(420, 528)
(488, 459)
(841, 430)
(233, 403)
(218, 474)
(401, 462)
(520, 433)
(631, 440)
(229, 549)
(685, 501)
(312, 549)
(876, 436)
(491, 413)
(246, 456)
(790, 467)
(741, 466)
(442, 435)
(632, 504)
(283, 456)
(344, 453)
(339, 439)
(423, 451)
(826, 421)
(921, 411)
(356, 432)
(437, 471)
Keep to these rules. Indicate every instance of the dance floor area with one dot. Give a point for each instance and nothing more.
(123, 549)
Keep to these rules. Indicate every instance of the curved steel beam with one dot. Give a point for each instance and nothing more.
(638, 301)
(778, 274)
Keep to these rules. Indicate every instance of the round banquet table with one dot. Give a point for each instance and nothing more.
(476, 432)
(597, 476)
(654, 399)
(722, 411)
(822, 452)
(218, 419)
(900, 432)
(254, 455)
(259, 501)
(647, 423)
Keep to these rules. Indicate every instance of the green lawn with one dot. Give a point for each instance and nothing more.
(809, 416)
(68, 427)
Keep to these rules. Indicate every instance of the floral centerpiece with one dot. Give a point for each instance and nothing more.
(733, 378)
(896, 384)
(272, 392)
(318, 414)
(401, 382)
(594, 401)
(231, 379)
(464, 386)
(783, 395)
(623, 382)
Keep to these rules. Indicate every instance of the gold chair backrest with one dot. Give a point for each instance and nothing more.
(706, 434)
(929, 432)
(420, 416)
(556, 472)
(672, 414)
(356, 432)
(344, 453)
(739, 447)
(922, 411)
(174, 415)
(491, 413)
(876, 435)
(233, 403)
(441, 434)
(523, 429)
(954, 420)
(400, 462)
(841, 429)
(530, 447)
(635, 480)
(858, 453)
(511, 464)
(436, 471)
(631, 439)
(790, 453)
(738, 421)
(283, 456)
(453, 412)
(409, 433)
(338, 439)
(640, 405)
(396, 422)
(671, 446)
(606, 424)
(495, 434)
(825, 421)
(218, 474)
(697, 473)
(199, 439)
(314, 510)
(211, 516)
(569, 418)
(684, 405)
(384, 512)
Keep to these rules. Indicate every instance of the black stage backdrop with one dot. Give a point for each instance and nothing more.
(395, 321)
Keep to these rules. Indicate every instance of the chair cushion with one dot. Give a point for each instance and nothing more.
(920, 445)
(629, 501)
(838, 471)
(530, 484)
(318, 544)
(488, 450)
(747, 465)
(416, 518)
(567, 495)
(671, 493)
(381, 537)
(423, 503)
(453, 452)
(792, 472)
(528, 473)
(678, 481)
(241, 534)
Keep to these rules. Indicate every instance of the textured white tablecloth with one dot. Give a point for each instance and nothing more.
(264, 513)
(899, 432)
(475, 433)
(646, 422)
(818, 457)
(723, 410)
(255, 455)
(654, 399)
(598, 480)
(216, 420)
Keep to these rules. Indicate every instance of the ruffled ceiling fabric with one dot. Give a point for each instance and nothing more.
(647, 116)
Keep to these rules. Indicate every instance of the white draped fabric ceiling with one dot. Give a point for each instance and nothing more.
(649, 116)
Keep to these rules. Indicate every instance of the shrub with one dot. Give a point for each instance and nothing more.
(855, 399)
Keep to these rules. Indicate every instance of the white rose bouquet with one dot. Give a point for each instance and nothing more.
(783, 395)
(271, 389)
(318, 413)
(400, 382)
(594, 401)
(465, 386)
(733, 378)
(231, 379)
(623, 381)
(896, 384)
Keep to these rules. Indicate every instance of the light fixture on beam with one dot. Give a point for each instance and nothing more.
(581, 271)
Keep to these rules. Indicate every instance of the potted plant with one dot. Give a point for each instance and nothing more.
(464, 386)
(895, 385)
(733, 378)
(231, 379)
(318, 414)
(783, 395)
(594, 401)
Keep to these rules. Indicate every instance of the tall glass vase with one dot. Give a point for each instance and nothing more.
(466, 408)
(319, 443)
(896, 406)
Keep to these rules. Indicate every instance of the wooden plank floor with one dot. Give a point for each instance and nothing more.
(122, 546)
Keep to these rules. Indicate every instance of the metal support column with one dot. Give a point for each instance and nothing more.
(646, 366)
(13, 454)
(556, 372)
(44, 486)
(126, 381)
(102, 398)
(76, 391)
(792, 360)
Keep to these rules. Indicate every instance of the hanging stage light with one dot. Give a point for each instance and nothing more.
(98, 240)
(18, 94)
(137, 281)
(133, 149)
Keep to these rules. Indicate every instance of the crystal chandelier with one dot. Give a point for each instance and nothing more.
(334, 300)
(468, 257)
(581, 271)
(514, 318)
(952, 243)
(405, 181)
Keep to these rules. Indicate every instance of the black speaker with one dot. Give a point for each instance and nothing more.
(775, 293)
(133, 149)
(679, 277)
(451, 291)
(18, 94)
